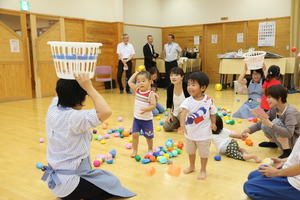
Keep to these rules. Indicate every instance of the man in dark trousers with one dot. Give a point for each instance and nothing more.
(149, 53)
(172, 52)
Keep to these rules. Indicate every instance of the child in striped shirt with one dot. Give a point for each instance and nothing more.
(144, 104)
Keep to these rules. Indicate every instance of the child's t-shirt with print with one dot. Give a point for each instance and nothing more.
(198, 123)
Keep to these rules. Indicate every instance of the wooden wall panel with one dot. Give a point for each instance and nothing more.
(46, 73)
(282, 38)
(15, 80)
(74, 30)
(230, 36)
(211, 62)
(107, 34)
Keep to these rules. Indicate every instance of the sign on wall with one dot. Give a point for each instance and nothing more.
(24, 5)
(266, 34)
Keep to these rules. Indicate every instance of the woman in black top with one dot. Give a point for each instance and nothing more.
(176, 93)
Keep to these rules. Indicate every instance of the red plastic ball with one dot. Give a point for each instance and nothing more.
(293, 49)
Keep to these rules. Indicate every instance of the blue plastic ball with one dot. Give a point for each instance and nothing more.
(163, 160)
(219, 108)
(145, 161)
(217, 158)
(174, 153)
(166, 114)
(113, 152)
(161, 122)
(169, 144)
(39, 165)
(141, 132)
(109, 161)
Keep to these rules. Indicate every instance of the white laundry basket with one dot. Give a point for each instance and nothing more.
(254, 59)
(70, 57)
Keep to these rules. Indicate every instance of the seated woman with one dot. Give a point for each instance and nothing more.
(280, 181)
(70, 174)
(176, 93)
(254, 85)
(283, 126)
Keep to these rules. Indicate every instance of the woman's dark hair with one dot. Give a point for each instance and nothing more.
(153, 70)
(200, 77)
(260, 71)
(273, 72)
(219, 124)
(145, 73)
(177, 70)
(277, 92)
(70, 93)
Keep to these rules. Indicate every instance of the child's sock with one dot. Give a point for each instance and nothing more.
(286, 153)
(268, 144)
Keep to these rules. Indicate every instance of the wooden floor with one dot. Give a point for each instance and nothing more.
(23, 123)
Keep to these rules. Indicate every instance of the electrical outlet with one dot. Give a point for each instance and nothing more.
(287, 47)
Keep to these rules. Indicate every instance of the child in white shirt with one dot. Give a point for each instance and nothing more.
(222, 139)
(198, 118)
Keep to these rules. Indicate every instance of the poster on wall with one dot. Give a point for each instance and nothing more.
(196, 40)
(266, 34)
(240, 37)
(214, 39)
(14, 45)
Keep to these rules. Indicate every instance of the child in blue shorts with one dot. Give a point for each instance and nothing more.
(144, 104)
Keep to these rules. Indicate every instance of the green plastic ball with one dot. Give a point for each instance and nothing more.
(137, 158)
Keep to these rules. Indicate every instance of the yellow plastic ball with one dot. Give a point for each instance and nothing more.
(166, 155)
(239, 121)
(130, 139)
(141, 68)
(158, 128)
(102, 141)
(158, 157)
(218, 87)
(158, 117)
(100, 159)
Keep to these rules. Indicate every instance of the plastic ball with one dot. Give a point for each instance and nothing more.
(217, 158)
(163, 160)
(166, 155)
(141, 68)
(174, 153)
(39, 165)
(106, 136)
(109, 131)
(169, 161)
(161, 153)
(158, 128)
(104, 126)
(113, 152)
(238, 100)
(157, 149)
(155, 154)
(128, 146)
(137, 158)
(145, 161)
(239, 121)
(158, 117)
(103, 157)
(219, 108)
(95, 137)
(227, 121)
(141, 132)
(158, 158)
(250, 119)
(174, 170)
(150, 154)
(126, 133)
(100, 137)
(293, 49)
(117, 134)
(120, 119)
(110, 161)
(147, 156)
(166, 114)
(228, 110)
(109, 156)
(122, 136)
(169, 144)
(130, 139)
(268, 161)
(100, 159)
(102, 141)
(41, 140)
(161, 122)
(232, 122)
(255, 120)
(94, 131)
(150, 171)
(152, 158)
(218, 87)
(96, 163)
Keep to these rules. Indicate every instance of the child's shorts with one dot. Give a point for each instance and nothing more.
(233, 150)
(145, 125)
(202, 146)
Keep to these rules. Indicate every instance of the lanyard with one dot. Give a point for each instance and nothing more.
(170, 48)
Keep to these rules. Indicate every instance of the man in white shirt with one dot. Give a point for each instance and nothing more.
(172, 52)
(125, 53)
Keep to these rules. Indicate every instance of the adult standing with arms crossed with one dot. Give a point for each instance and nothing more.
(149, 53)
(125, 53)
(171, 55)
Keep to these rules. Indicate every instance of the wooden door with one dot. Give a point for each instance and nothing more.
(15, 75)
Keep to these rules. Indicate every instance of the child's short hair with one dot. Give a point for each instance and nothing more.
(273, 72)
(70, 93)
(145, 73)
(219, 124)
(153, 70)
(260, 71)
(200, 77)
(177, 70)
(277, 92)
